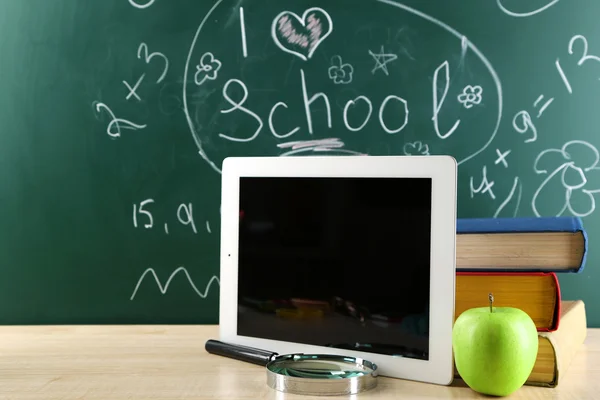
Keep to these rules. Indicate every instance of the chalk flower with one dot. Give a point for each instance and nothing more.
(416, 149)
(471, 95)
(208, 68)
(573, 172)
(339, 72)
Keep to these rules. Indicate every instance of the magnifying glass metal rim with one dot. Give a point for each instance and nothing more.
(301, 385)
(322, 387)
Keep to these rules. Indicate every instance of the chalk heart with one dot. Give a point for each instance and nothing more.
(301, 35)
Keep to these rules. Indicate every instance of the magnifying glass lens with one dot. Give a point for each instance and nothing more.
(313, 374)
(312, 367)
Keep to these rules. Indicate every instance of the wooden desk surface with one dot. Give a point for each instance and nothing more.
(169, 362)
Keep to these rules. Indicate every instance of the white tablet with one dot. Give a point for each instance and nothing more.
(349, 255)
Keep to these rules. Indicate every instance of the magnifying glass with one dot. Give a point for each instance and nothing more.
(310, 374)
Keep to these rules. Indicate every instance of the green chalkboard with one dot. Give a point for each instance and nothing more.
(116, 115)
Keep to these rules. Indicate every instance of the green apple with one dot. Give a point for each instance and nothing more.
(495, 348)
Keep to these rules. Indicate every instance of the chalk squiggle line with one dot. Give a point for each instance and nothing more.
(141, 6)
(510, 196)
(526, 14)
(163, 289)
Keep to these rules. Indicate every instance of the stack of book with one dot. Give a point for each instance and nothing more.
(518, 259)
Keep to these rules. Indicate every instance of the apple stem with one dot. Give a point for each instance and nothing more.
(491, 297)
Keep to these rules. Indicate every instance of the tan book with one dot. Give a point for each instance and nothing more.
(557, 349)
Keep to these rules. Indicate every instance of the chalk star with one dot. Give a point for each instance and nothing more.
(381, 60)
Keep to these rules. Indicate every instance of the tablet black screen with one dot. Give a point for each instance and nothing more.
(342, 262)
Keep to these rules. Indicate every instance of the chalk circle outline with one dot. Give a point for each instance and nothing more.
(393, 3)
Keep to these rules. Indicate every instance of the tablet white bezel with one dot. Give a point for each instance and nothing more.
(439, 369)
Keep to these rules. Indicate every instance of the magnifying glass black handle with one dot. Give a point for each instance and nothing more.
(241, 353)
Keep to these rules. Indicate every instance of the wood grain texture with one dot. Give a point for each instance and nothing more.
(169, 362)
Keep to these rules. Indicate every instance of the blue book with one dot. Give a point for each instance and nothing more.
(527, 244)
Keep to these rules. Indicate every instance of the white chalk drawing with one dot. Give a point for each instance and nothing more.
(382, 59)
(272, 126)
(308, 102)
(186, 110)
(116, 124)
(187, 219)
(243, 30)
(437, 104)
(463, 49)
(563, 76)
(301, 36)
(485, 186)
(526, 125)
(149, 56)
(141, 210)
(516, 185)
(340, 72)
(196, 132)
(417, 148)
(502, 157)
(382, 108)
(239, 106)
(208, 227)
(584, 52)
(320, 145)
(166, 228)
(137, 4)
(584, 57)
(570, 167)
(352, 103)
(208, 68)
(544, 106)
(132, 90)
(477, 52)
(470, 96)
(523, 123)
(525, 14)
(163, 289)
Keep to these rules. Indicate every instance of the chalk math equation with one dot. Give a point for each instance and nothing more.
(315, 81)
